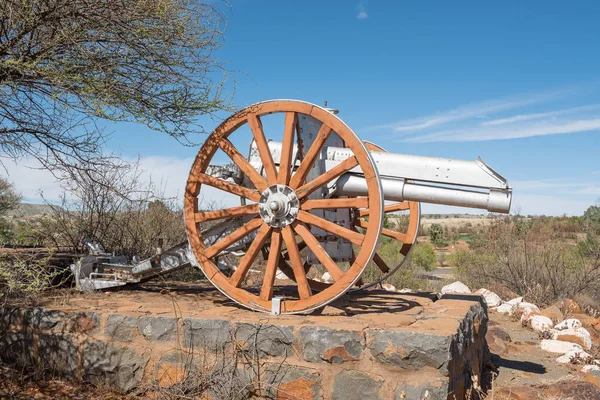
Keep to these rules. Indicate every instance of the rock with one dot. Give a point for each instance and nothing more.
(558, 346)
(326, 278)
(456, 287)
(515, 301)
(569, 307)
(41, 318)
(589, 368)
(427, 391)
(570, 323)
(321, 344)
(407, 349)
(593, 377)
(354, 385)
(539, 323)
(121, 327)
(270, 340)
(108, 364)
(573, 357)
(295, 383)
(161, 329)
(507, 308)
(84, 322)
(497, 339)
(554, 313)
(586, 320)
(389, 287)
(578, 335)
(528, 311)
(210, 334)
(490, 298)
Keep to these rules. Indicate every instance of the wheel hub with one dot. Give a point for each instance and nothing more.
(278, 206)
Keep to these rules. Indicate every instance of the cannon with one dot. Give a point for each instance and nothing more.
(307, 200)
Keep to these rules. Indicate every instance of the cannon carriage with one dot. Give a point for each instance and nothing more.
(307, 197)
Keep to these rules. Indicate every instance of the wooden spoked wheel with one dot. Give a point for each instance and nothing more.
(407, 237)
(282, 188)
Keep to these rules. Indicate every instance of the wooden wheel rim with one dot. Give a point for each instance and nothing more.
(218, 140)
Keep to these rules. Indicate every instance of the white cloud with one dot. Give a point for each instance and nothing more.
(529, 117)
(469, 112)
(361, 10)
(480, 133)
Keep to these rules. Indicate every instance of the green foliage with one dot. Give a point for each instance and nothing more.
(591, 217)
(9, 198)
(437, 235)
(423, 256)
(6, 234)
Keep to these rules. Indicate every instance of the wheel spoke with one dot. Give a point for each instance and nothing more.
(301, 246)
(393, 234)
(333, 173)
(404, 205)
(203, 216)
(319, 252)
(263, 148)
(287, 148)
(290, 242)
(266, 292)
(227, 187)
(380, 263)
(311, 155)
(251, 253)
(351, 202)
(233, 237)
(239, 160)
(354, 237)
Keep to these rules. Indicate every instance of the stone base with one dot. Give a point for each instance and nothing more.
(378, 345)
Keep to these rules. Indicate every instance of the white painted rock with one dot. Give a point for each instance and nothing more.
(490, 298)
(515, 301)
(456, 287)
(570, 323)
(525, 305)
(326, 278)
(572, 357)
(590, 368)
(560, 347)
(577, 335)
(529, 311)
(389, 287)
(539, 323)
(506, 308)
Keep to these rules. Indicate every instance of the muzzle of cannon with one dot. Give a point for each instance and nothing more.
(312, 200)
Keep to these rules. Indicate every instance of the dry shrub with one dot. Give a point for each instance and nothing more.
(25, 279)
(116, 208)
(532, 259)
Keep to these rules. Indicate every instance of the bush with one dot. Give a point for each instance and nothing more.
(25, 279)
(437, 236)
(423, 256)
(531, 259)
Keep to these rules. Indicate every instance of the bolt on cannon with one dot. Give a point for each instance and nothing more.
(312, 198)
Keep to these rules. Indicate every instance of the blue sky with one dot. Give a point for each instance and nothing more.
(517, 83)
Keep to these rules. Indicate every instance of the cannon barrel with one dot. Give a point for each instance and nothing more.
(418, 178)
